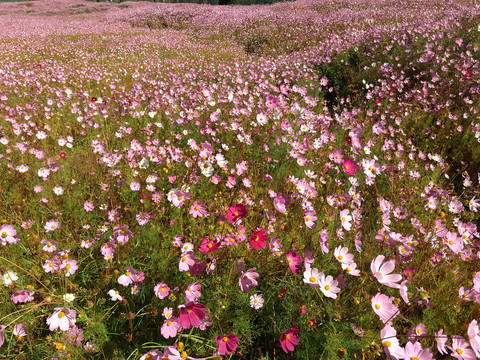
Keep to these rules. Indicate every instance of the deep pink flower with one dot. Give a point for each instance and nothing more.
(294, 260)
(207, 246)
(289, 339)
(227, 344)
(235, 212)
(191, 314)
(349, 166)
(259, 239)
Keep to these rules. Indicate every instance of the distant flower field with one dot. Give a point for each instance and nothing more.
(292, 181)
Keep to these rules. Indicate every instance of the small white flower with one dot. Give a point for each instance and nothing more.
(68, 297)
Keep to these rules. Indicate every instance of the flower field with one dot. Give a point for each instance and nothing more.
(292, 181)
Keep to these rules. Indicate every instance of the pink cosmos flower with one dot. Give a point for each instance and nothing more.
(382, 272)
(52, 225)
(415, 351)
(192, 293)
(135, 185)
(460, 349)
(88, 206)
(207, 246)
(51, 265)
(312, 276)
(8, 235)
(390, 342)
(346, 218)
(153, 355)
(87, 243)
(476, 282)
(247, 279)
(342, 255)
(235, 212)
(2, 334)
(170, 328)
(310, 218)
(198, 209)
(258, 239)
(441, 341)
(383, 306)
(280, 203)
(19, 331)
(179, 197)
(329, 286)
(474, 337)
(122, 234)
(349, 166)
(62, 319)
(227, 344)
(161, 290)
(187, 259)
(256, 301)
(74, 335)
(143, 218)
(22, 296)
(50, 245)
(70, 266)
(289, 339)
(191, 314)
(128, 278)
(294, 260)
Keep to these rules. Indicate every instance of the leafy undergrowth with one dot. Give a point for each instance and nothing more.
(203, 191)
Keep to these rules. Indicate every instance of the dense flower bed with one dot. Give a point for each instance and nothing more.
(182, 181)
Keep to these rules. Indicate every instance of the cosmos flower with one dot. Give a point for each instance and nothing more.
(227, 344)
(289, 339)
(62, 318)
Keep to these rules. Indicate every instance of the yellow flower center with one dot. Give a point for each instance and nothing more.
(340, 257)
(61, 314)
(327, 287)
(169, 323)
(68, 266)
(287, 337)
(387, 343)
(312, 279)
(459, 351)
(377, 306)
(225, 339)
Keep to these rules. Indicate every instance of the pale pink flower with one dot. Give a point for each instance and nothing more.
(382, 272)
(62, 318)
(312, 276)
(52, 225)
(415, 352)
(247, 280)
(329, 286)
(474, 337)
(170, 328)
(460, 349)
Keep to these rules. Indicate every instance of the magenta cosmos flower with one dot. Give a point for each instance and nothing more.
(258, 239)
(207, 246)
(294, 260)
(227, 344)
(235, 212)
(191, 314)
(289, 339)
(349, 166)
